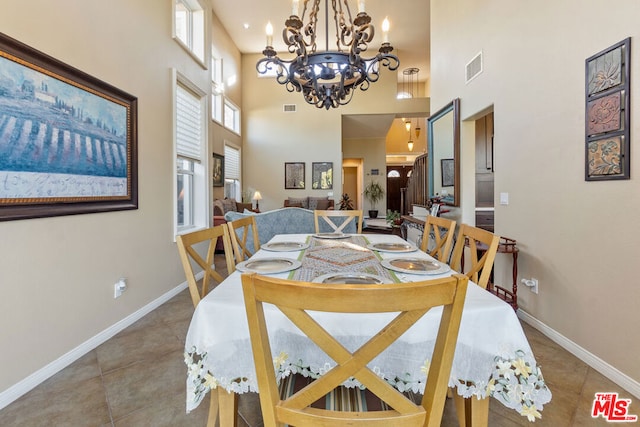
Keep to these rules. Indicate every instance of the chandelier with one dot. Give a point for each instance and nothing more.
(327, 79)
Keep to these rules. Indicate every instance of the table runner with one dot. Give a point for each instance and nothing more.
(325, 256)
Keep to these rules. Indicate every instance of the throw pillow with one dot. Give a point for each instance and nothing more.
(304, 201)
(322, 205)
(313, 202)
(229, 205)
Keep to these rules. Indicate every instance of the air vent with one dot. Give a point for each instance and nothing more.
(289, 108)
(473, 68)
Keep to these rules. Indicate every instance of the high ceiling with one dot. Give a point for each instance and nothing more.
(409, 34)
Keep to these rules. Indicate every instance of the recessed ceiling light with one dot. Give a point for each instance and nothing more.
(245, 26)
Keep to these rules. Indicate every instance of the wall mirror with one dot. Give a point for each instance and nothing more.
(444, 153)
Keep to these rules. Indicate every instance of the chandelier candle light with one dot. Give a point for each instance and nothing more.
(327, 79)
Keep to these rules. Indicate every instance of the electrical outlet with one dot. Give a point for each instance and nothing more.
(531, 284)
(119, 287)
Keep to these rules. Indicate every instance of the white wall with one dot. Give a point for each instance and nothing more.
(57, 274)
(578, 238)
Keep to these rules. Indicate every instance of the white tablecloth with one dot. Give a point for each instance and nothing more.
(492, 358)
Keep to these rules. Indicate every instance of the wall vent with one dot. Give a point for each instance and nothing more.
(289, 108)
(473, 68)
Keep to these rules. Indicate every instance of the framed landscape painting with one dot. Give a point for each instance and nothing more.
(68, 141)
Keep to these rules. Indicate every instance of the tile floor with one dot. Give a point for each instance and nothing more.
(137, 378)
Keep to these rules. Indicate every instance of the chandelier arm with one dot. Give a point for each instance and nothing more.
(342, 29)
(310, 29)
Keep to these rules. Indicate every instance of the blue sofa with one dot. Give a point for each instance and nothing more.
(285, 221)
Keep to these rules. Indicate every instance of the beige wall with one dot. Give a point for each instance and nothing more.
(373, 155)
(57, 274)
(578, 238)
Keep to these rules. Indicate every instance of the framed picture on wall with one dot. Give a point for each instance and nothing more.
(322, 175)
(294, 176)
(447, 170)
(607, 113)
(218, 170)
(68, 141)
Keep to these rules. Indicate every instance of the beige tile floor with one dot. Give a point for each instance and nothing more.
(137, 378)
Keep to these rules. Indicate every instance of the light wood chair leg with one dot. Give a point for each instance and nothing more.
(472, 412)
(213, 408)
(228, 408)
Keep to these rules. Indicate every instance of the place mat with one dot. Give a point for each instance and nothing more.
(340, 255)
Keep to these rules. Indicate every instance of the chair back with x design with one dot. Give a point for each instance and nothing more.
(347, 216)
(481, 266)
(241, 230)
(407, 301)
(189, 255)
(442, 231)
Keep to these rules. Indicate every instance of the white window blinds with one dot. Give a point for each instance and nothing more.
(231, 163)
(188, 124)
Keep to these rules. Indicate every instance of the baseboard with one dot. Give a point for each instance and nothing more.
(623, 380)
(17, 390)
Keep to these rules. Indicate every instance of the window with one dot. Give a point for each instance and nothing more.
(190, 131)
(217, 88)
(217, 99)
(223, 110)
(232, 172)
(185, 192)
(189, 26)
(216, 69)
(231, 116)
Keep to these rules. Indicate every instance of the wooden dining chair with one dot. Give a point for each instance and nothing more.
(189, 255)
(330, 217)
(240, 231)
(475, 238)
(408, 301)
(442, 230)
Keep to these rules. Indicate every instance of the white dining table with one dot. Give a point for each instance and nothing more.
(492, 359)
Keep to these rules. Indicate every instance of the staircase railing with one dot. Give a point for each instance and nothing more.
(417, 192)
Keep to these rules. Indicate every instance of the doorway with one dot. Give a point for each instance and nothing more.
(397, 178)
(352, 181)
(484, 173)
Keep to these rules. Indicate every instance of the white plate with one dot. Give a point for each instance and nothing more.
(415, 265)
(268, 265)
(353, 278)
(331, 236)
(285, 246)
(392, 247)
